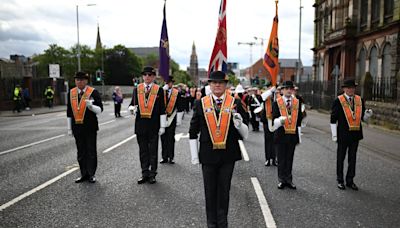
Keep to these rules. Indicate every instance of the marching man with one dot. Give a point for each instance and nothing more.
(151, 122)
(347, 112)
(221, 121)
(84, 103)
(174, 110)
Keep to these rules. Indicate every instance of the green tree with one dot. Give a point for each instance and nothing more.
(120, 64)
(181, 76)
(233, 80)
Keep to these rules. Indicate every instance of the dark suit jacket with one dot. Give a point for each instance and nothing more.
(179, 106)
(338, 116)
(152, 125)
(208, 155)
(279, 134)
(90, 122)
(264, 120)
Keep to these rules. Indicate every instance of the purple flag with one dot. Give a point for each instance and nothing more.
(164, 50)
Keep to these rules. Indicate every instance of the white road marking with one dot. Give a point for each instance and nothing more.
(269, 220)
(31, 144)
(106, 122)
(38, 188)
(180, 136)
(119, 144)
(243, 150)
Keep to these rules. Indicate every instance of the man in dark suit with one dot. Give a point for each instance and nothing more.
(254, 101)
(221, 121)
(84, 103)
(151, 121)
(348, 110)
(287, 118)
(174, 110)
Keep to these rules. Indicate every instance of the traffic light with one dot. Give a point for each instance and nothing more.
(98, 76)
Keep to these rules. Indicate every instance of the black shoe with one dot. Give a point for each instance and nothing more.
(352, 186)
(171, 161)
(267, 163)
(274, 163)
(92, 179)
(291, 186)
(81, 179)
(152, 180)
(281, 185)
(163, 161)
(142, 180)
(341, 186)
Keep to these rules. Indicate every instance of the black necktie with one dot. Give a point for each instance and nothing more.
(80, 94)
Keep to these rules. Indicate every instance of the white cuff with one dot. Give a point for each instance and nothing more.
(266, 94)
(299, 132)
(194, 151)
(334, 132)
(94, 108)
(367, 114)
(244, 131)
(163, 121)
(69, 123)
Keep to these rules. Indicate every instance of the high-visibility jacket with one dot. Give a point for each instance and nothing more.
(49, 93)
(17, 94)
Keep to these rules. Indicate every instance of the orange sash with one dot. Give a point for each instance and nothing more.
(79, 108)
(268, 108)
(172, 100)
(146, 105)
(291, 120)
(218, 128)
(353, 117)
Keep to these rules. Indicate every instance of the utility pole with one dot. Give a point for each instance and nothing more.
(299, 57)
(250, 44)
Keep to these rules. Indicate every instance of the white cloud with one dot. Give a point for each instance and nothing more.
(137, 23)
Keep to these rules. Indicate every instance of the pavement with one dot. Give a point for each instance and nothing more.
(34, 111)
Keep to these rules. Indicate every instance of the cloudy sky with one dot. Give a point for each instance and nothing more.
(28, 27)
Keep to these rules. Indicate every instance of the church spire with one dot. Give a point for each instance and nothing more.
(194, 65)
(98, 40)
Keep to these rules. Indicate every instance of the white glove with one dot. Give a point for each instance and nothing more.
(253, 95)
(268, 93)
(237, 120)
(299, 131)
(179, 118)
(69, 126)
(89, 103)
(94, 108)
(273, 89)
(278, 122)
(207, 90)
(303, 107)
(367, 114)
(165, 87)
(194, 151)
(334, 132)
(161, 131)
(249, 114)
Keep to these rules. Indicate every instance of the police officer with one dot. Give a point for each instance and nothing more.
(221, 121)
(84, 104)
(287, 118)
(173, 106)
(266, 119)
(17, 96)
(49, 94)
(151, 121)
(348, 110)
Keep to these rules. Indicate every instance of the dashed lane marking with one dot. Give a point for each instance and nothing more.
(106, 122)
(268, 218)
(180, 136)
(31, 144)
(119, 144)
(38, 188)
(243, 150)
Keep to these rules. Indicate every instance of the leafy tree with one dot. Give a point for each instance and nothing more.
(233, 80)
(181, 76)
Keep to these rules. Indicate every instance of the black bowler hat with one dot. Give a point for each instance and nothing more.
(170, 79)
(287, 84)
(81, 75)
(218, 76)
(349, 83)
(148, 69)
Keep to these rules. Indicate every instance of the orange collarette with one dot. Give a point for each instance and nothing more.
(79, 107)
(353, 117)
(291, 120)
(146, 105)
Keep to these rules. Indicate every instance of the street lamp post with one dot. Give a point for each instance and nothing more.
(77, 28)
(298, 61)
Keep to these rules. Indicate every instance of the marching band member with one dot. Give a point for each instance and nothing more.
(266, 119)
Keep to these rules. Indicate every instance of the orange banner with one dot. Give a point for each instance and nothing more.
(270, 61)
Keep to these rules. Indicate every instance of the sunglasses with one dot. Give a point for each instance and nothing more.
(147, 74)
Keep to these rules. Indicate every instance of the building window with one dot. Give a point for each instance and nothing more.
(361, 65)
(321, 69)
(375, 10)
(386, 70)
(364, 13)
(373, 63)
(388, 12)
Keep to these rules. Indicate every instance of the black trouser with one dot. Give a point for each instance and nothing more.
(254, 123)
(168, 142)
(117, 110)
(50, 102)
(86, 143)
(268, 144)
(17, 106)
(285, 157)
(351, 148)
(217, 183)
(148, 146)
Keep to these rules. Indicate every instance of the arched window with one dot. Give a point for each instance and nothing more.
(361, 64)
(386, 70)
(373, 63)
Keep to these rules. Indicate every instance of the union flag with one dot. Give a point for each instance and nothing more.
(271, 59)
(219, 54)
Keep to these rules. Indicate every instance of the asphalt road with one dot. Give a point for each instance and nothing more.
(38, 167)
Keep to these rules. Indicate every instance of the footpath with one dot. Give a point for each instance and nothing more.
(34, 111)
(377, 139)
